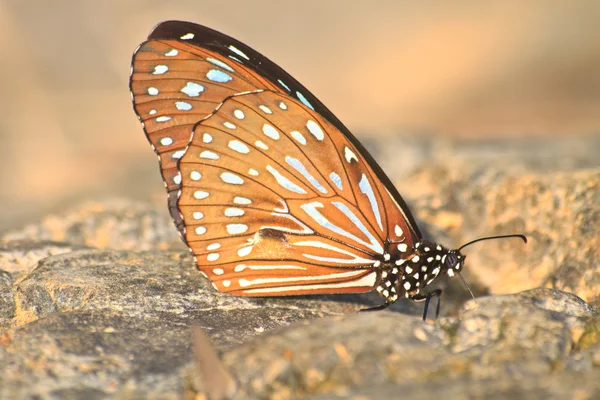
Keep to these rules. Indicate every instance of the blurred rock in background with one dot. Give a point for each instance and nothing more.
(395, 71)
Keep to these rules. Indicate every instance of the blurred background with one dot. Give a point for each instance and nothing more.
(436, 69)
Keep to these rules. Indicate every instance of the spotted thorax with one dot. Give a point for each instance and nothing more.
(407, 276)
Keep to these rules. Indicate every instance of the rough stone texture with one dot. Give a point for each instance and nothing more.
(118, 224)
(522, 338)
(20, 257)
(557, 211)
(98, 301)
(7, 299)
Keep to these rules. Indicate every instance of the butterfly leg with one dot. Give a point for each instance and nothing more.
(379, 307)
(387, 290)
(427, 298)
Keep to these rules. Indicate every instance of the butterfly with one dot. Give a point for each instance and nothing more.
(271, 192)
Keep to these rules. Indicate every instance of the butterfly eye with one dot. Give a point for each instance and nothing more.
(451, 260)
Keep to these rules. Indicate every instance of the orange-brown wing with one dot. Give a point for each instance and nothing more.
(274, 195)
(175, 84)
(276, 201)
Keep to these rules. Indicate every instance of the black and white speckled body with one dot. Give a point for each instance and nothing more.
(407, 277)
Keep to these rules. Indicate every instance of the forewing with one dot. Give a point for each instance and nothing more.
(174, 84)
(270, 191)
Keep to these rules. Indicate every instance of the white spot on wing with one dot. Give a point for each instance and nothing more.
(160, 69)
(219, 63)
(229, 125)
(366, 281)
(171, 53)
(232, 179)
(233, 212)
(285, 182)
(398, 231)
(315, 243)
(260, 281)
(218, 271)
(187, 36)
(265, 109)
(315, 129)
(270, 131)
(402, 247)
(238, 52)
(199, 194)
(238, 146)
(253, 172)
(195, 175)
(239, 114)
(213, 257)
(163, 119)
(311, 210)
(284, 85)
(261, 145)
(213, 246)
(244, 251)
(152, 91)
(218, 76)
(183, 106)
(210, 155)
(166, 141)
(241, 200)
(349, 154)
(192, 89)
(178, 154)
(298, 166)
(200, 230)
(298, 136)
(198, 215)
(241, 267)
(207, 138)
(335, 178)
(303, 100)
(366, 188)
(235, 229)
(282, 105)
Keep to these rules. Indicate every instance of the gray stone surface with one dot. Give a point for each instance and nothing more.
(524, 338)
(114, 223)
(99, 300)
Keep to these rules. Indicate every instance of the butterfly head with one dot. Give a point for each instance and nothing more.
(452, 262)
(430, 260)
(427, 262)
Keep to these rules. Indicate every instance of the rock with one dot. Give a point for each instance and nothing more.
(7, 299)
(99, 301)
(117, 224)
(511, 343)
(20, 257)
(105, 322)
(557, 211)
(153, 285)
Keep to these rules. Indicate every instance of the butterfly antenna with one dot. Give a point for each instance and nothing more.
(466, 285)
(493, 237)
(482, 239)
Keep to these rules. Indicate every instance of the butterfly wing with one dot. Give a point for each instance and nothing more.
(172, 90)
(271, 192)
